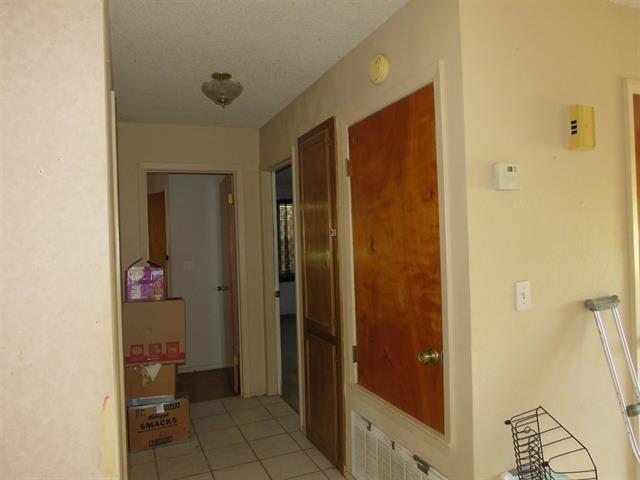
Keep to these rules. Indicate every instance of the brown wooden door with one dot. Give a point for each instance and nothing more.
(157, 229)
(636, 136)
(228, 289)
(396, 242)
(320, 292)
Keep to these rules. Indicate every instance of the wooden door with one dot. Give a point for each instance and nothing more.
(396, 244)
(157, 229)
(229, 287)
(320, 292)
(636, 136)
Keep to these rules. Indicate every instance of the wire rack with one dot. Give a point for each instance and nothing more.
(545, 450)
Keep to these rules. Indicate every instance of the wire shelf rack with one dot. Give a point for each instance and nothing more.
(545, 450)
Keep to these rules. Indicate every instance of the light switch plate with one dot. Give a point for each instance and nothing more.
(189, 265)
(523, 295)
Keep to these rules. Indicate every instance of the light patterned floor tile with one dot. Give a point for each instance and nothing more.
(201, 476)
(188, 447)
(266, 428)
(281, 410)
(290, 423)
(273, 446)
(230, 456)
(138, 458)
(206, 409)
(301, 439)
(250, 415)
(220, 438)
(145, 471)
(312, 476)
(289, 466)
(318, 458)
(214, 422)
(240, 403)
(248, 471)
(334, 474)
(184, 466)
(270, 400)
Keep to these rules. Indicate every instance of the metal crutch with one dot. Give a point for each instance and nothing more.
(597, 306)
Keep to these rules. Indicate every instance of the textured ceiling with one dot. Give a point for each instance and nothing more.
(162, 51)
(628, 3)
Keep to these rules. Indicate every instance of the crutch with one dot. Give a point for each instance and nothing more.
(597, 306)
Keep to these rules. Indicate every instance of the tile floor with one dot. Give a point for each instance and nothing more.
(237, 439)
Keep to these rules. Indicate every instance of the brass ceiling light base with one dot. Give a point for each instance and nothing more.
(222, 90)
(220, 76)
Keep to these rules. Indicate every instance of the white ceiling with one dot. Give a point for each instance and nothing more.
(162, 51)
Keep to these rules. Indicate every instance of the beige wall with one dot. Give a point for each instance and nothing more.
(414, 40)
(566, 230)
(58, 418)
(191, 148)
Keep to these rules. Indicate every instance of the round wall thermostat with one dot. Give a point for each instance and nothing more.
(378, 69)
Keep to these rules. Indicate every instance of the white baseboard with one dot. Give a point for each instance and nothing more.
(199, 368)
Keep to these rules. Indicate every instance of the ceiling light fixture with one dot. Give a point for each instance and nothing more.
(222, 90)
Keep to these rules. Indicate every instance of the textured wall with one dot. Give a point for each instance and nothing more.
(567, 230)
(56, 317)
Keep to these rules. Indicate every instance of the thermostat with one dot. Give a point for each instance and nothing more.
(506, 176)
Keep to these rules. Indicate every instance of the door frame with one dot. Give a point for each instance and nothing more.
(241, 265)
(272, 327)
(631, 88)
(353, 112)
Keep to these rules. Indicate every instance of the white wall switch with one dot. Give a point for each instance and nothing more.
(523, 295)
(189, 266)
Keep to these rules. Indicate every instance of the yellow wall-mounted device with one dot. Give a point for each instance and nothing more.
(582, 128)
(378, 69)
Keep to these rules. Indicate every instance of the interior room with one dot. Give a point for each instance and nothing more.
(286, 280)
(274, 240)
(186, 237)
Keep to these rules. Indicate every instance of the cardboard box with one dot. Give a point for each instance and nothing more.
(154, 332)
(138, 385)
(144, 283)
(153, 425)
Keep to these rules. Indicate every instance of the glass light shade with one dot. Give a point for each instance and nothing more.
(222, 90)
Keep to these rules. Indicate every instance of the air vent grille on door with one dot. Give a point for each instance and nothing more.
(378, 457)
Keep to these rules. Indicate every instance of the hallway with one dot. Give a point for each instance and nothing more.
(237, 439)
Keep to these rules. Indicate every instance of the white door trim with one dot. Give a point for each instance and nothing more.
(631, 88)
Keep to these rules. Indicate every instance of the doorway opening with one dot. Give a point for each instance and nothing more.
(191, 225)
(286, 285)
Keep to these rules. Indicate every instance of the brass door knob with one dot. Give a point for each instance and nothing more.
(430, 355)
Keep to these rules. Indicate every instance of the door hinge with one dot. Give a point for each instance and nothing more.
(347, 166)
(354, 353)
(230, 199)
(333, 232)
(277, 294)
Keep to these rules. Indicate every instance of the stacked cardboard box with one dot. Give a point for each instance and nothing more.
(154, 342)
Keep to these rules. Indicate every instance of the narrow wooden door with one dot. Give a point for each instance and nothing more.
(396, 243)
(157, 229)
(228, 289)
(636, 136)
(320, 292)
